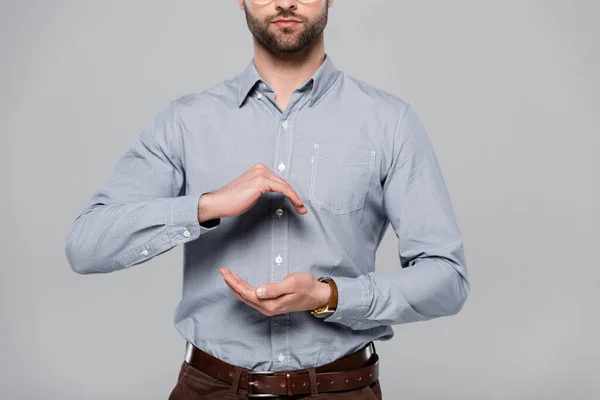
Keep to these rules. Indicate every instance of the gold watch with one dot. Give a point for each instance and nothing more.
(328, 309)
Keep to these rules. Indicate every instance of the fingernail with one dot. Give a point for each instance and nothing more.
(261, 291)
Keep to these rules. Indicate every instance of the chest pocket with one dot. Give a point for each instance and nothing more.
(340, 176)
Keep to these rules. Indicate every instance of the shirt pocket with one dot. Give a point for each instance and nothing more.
(340, 176)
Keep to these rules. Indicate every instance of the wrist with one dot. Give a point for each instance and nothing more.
(205, 207)
(323, 293)
(329, 293)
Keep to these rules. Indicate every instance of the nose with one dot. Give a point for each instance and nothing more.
(286, 4)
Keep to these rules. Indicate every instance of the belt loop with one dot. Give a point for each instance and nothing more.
(314, 392)
(236, 381)
(288, 382)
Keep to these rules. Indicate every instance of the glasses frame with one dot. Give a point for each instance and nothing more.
(265, 2)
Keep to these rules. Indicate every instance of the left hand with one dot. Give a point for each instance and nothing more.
(298, 291)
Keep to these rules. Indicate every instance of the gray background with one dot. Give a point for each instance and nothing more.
(508, 90)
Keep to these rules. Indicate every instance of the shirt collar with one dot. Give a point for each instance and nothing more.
(321, 80)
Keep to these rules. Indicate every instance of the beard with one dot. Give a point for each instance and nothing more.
(286, 40)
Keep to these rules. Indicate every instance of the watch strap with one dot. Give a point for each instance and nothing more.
(330, 307)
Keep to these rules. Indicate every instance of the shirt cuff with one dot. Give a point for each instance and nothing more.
(183, 225)
(353, 300)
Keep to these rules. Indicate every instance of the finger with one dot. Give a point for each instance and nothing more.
(278, 184)
(235, 293)
(284, 303)
(236, 290)
(265, 174)
(248, 294)
(254, 304)
(240, 280)
(241, 287)
(273, 290)
(290, 193)
(269, 174)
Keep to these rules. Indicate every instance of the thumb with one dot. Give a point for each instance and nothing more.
(268, 291)
(272, 290)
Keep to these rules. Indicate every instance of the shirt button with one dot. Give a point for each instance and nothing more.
(281, 357)
(278, 259)
(264, 86)
(285, 124)
(144, 252)
(187, 233)
(281, 166)
(259, 96)
(279, 212)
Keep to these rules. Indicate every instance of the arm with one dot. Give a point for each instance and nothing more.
(141, 212)
(432, 281)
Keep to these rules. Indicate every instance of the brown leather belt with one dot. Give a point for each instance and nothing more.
(349, 372)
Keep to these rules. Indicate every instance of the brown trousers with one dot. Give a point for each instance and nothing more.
(193, 384)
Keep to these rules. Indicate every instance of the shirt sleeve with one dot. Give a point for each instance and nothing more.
(432, 280)
(142, 211)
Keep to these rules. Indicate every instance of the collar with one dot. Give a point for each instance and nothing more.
(321, 80)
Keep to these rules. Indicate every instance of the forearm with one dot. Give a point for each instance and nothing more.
(110, 237)
(430, 288)
(388, 299)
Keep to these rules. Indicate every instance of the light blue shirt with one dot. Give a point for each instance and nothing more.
(357, 156)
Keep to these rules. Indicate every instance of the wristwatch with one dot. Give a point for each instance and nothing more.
(328, 309)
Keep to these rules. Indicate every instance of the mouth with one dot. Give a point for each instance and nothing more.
(286, 22)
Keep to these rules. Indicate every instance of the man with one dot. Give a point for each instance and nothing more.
(280, 184)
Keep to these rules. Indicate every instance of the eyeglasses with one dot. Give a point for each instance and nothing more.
(263, 2)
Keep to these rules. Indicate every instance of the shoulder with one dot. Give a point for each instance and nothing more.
(209, 100)
(369, 95)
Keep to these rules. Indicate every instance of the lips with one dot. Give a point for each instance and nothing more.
(286, 23)
(285, 20)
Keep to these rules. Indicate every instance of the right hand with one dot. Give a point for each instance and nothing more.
(240, 195)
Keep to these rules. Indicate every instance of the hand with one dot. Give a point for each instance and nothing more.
(241, 194)
(298, 291)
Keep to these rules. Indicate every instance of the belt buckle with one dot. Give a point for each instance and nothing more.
(251, 383)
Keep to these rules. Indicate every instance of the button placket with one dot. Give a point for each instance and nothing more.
(280, 324)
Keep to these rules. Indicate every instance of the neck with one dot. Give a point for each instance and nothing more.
(286, 72)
